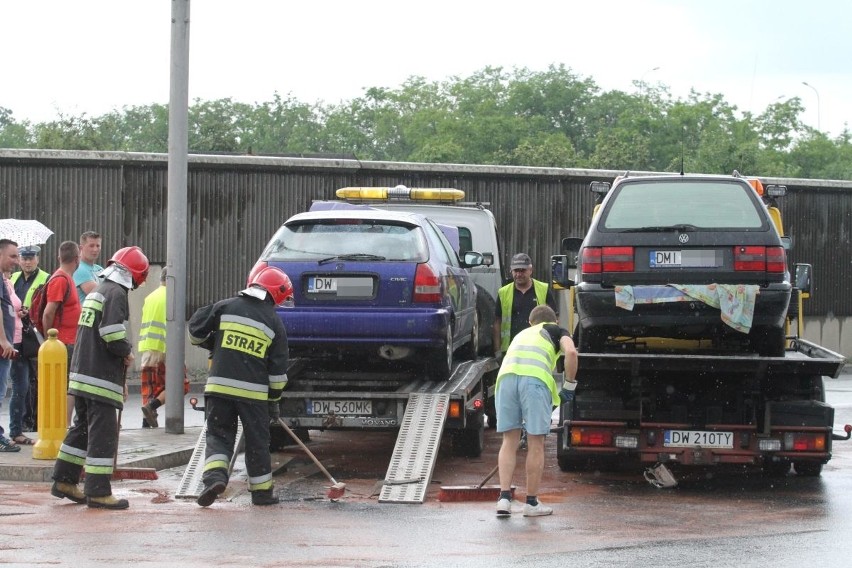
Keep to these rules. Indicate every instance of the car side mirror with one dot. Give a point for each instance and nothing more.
(560, 271)
(803, 277)
(472, 259)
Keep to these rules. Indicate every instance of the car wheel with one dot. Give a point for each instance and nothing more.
(485, 308)
(469, 442)
(441, 358)
(471, 348)
(768, 341)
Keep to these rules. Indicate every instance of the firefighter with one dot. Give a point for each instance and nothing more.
(97, 379)
(248, 347)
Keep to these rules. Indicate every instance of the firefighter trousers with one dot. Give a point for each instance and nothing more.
(90, 444)
(222, 415)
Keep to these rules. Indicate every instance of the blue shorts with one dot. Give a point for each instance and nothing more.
(523, 402)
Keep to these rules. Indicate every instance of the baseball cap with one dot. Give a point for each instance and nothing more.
(31, 250)
(521, 260)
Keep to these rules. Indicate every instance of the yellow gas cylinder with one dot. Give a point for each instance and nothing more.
(52, 401)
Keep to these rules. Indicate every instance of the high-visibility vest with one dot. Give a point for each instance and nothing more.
(152, 336)
(40, 278)
(532, 354)
(505, 295)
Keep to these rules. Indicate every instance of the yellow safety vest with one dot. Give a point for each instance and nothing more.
(41, 278)
(532, 354)
(152, 336)
(506, 294)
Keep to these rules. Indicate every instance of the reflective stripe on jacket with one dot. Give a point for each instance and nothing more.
(505, 295)
(152, 334)
(532, 354)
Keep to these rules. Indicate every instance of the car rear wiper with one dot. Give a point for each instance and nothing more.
(661, 229)
(355, 256)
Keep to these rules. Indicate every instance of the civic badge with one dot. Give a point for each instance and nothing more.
(683, 238)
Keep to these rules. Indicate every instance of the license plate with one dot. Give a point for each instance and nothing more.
(320, 285)
(341, 407)
(686, 258)
(695, 438)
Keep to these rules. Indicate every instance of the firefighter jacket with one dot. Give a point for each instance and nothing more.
(97, 366)
(248, 344)
(533, 353)
(152, 336)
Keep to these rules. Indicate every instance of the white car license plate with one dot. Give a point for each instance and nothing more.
(687, 258)
(321, 284)
(661, 258)
(695, 438)
(341, 407)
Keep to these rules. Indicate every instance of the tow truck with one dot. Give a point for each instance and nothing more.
(655, 401)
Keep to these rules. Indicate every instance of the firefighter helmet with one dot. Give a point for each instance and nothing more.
(276, 282)
(135, 261)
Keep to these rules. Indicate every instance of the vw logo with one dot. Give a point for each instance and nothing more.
(683, 238)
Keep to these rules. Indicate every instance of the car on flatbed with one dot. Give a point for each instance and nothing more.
(694, 257)
(376, 286)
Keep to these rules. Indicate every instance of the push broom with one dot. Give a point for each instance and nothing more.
(337, 489)
(459, 493)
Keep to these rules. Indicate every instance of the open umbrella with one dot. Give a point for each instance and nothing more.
(24, 232)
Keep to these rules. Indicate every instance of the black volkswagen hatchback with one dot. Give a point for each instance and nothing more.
(693, 257)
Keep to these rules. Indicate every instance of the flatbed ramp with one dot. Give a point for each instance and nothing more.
(416, 449)
(191, 484)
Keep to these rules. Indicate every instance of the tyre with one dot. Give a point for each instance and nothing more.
(768, 341)
(470, 350)
(808, 469)
(485, 309)
(441, 358)
(279, 439)
(469, 443)
(778, 468)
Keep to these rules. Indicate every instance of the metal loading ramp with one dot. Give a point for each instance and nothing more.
(416, 450)
(191, 484)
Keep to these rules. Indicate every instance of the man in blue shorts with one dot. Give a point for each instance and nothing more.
(526, 395)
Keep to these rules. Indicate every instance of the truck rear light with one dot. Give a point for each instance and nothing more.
(751, 258)
(617, 259)
(627, 441)
(589, 437)
(776, 260)
(427, 285)
(804, 442)
(769, 445)
(591, 262)
(455, 409)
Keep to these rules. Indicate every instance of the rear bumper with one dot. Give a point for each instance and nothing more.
(366, 327)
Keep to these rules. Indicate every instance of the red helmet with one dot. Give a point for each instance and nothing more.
(135, 261)
(274, 281)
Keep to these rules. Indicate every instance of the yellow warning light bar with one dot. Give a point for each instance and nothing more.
(400, 193)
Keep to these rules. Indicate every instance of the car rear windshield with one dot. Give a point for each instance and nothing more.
(317, 240)
(697, 204)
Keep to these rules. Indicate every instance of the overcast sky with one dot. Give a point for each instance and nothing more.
(93, 56)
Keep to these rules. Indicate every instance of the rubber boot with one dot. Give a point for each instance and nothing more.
(150, 415)
(68, 491)
(265, 497)
(210, 493)
(108, 502)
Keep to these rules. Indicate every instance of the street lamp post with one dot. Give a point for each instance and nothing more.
(806, 84)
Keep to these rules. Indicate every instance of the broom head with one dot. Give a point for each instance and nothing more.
(460, 493)
(336, 491)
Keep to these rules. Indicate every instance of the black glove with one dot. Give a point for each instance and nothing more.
(274, 410)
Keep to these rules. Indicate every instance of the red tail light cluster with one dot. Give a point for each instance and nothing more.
(607, 259)
(804, 442)
(590, 437)
(760, 259)
(427, 285)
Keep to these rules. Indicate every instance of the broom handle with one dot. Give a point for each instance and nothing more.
(489, 476)
(307, 451)
(117, 432)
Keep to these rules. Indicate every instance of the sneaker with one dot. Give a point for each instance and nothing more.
(108, 502)
(504, 508)
(539, 510)
(7, 445)
(150, 416)
(68, 491)
(210, 493)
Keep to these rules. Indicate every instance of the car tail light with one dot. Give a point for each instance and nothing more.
(590, 437)
(617, 259)
(427, 285)
(591, 263)
(752, 259)
(804, 442)
(776, 260)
